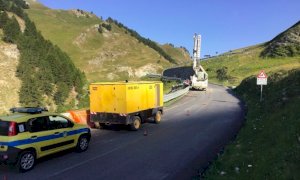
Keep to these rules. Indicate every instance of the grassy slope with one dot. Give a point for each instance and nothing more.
(177, 53)
(112, 55)
(246, 62)
(268, 146)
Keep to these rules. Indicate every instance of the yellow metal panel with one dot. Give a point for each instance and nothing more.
(161, 97)
(121, 97)
(151, 95)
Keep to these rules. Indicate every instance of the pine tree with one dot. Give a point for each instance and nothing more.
(3, 5)
(30, 94)
(44, 68)
(17, 10)
(3, 19)
(21, 4)
(11, 30)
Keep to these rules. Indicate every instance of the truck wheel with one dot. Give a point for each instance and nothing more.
(26, 161)
(157, 117)
(136, 123)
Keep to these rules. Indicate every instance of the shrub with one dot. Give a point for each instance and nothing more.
(222, 73)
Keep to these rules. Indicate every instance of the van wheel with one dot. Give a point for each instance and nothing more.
(136, 123)
(157, 117)
(82, 144)
(26, 161)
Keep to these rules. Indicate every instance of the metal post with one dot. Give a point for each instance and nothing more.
(261, 89)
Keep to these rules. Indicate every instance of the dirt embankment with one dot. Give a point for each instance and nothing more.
(9, 83)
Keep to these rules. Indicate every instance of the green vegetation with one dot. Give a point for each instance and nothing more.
(181, 54)
(13, 6)
(111, 55)
(268, 146)
(246, 62)
(106, 26)
(145, 41)
(222, 73)
(11, 29)
(45, 71)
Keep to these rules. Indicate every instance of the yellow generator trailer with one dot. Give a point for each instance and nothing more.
(129, 103)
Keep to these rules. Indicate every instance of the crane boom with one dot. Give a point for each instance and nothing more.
(200, 79)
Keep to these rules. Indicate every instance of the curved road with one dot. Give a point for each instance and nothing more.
(193, 131)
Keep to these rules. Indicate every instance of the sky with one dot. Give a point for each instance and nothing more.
(223, 24)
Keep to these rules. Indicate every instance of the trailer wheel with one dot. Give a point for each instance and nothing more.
(136, 123)
(97, 125)
(157, 117)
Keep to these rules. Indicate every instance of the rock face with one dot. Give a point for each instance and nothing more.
(81, 13)
(9, 83)
(286, 44)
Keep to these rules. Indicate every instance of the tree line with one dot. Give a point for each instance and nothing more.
(44, 69)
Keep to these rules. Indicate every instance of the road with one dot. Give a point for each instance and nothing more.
(193, 131)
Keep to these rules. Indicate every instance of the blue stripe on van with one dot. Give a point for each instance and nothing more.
(43, 138)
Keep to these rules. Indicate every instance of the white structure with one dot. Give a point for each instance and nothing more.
(200, 79)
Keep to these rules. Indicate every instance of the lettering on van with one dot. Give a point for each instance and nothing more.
(150, 87)
(95, 88)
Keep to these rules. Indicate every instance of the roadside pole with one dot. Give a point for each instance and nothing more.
(261, 89)
(262, 79)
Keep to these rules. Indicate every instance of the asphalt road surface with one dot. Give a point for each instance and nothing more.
(193, 131)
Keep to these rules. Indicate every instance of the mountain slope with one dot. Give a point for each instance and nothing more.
(35, 72)
(9, 83)
(286, 44)
(181, 54)
(111, 54)
(244, 63)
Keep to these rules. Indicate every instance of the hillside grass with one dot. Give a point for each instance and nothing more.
(108, 56)
(182, 57)
(246, 62)
(268, 145)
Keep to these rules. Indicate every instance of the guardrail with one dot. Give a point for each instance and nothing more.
(176, 94)
(154, 75)
(164, 77)
(173, 95)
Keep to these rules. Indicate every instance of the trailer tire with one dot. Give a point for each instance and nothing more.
(97, 125)
(136, 123)
(157, 117)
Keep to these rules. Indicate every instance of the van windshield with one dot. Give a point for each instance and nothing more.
(4, 128)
